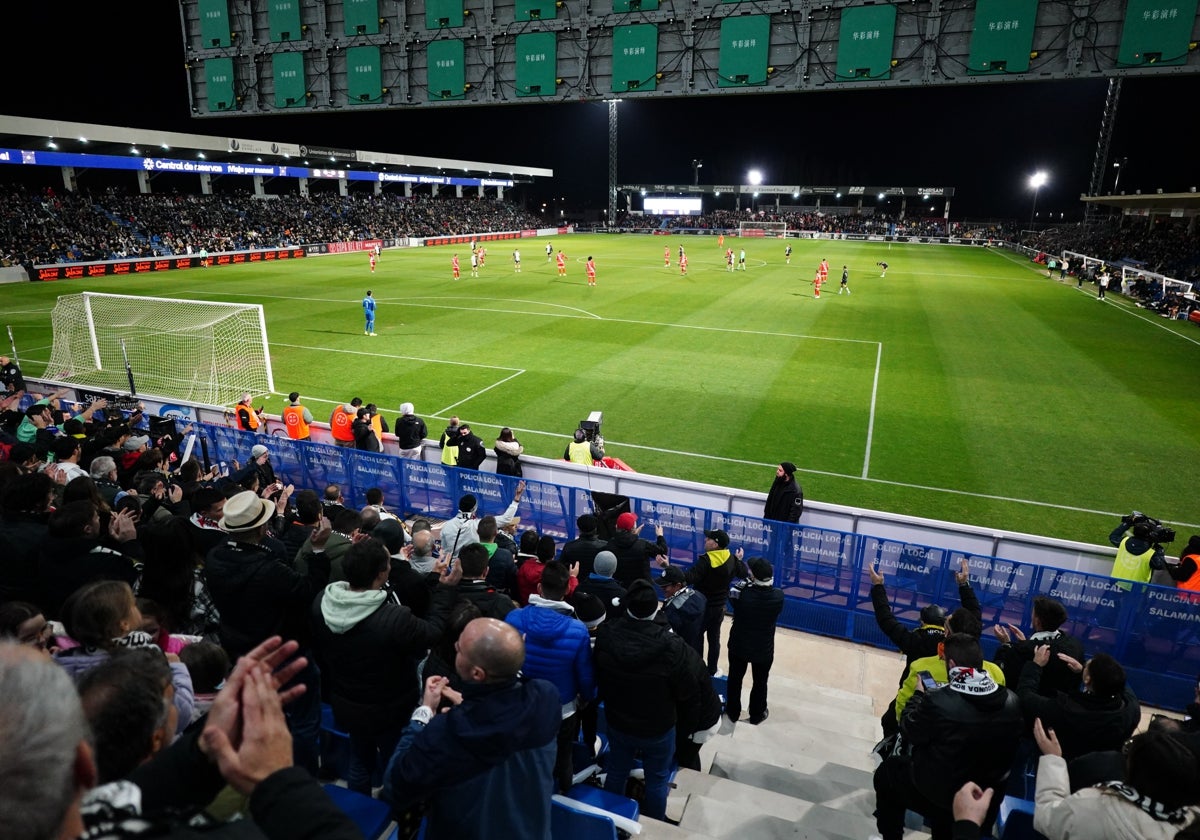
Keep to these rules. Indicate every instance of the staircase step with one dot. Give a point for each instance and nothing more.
(834, 698)
(728, 814)
(812, 714)
(849, 790)
(775, 744)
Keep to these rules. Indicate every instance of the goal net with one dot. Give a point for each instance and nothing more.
(778, 230)
(199, 351)
(1082, 263)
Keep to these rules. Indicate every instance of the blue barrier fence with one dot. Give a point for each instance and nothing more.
(1153, 631)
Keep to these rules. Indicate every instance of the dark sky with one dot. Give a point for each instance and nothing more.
(126, 68)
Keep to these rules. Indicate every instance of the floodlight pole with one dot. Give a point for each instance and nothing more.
(696, 164)
(1119, 165)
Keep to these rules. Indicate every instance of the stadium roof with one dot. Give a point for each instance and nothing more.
(86, 138)
(1154, 204)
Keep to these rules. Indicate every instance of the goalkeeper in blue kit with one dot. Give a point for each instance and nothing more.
(369, 312)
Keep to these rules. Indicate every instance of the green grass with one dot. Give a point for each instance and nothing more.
(963, 386)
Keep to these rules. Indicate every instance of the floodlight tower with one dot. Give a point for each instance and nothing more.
(1037, 181)
(754, 177)
(697, 164)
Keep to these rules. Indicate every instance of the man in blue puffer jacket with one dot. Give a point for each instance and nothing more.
(557, 649)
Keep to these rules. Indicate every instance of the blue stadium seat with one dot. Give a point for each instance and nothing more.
(1015, 820)
(598, 797)
(372, 817)
(567, 823)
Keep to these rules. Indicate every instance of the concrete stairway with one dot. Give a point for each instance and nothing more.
(804, 773)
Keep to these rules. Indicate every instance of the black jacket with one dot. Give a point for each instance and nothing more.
(64, 565)
(643, 676)
(364, 436)
(685, 613)
(924, 640)
(21, 535)
(582, 551)
(259, 594)
(491, 602)
(785, 501)
(471, 451)
(370, 670)
(713, 582)
(633, 556)
(1056, 676)
(957, 737)
(1083, 722)
(410, 431)
(755, 611)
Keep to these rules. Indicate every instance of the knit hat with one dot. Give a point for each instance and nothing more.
(605, 564)
(467, 503)
(626, 522)
(641, 601)
(588, 608)
(587, 524)
(258, 450)
(788, 467)
(406, 408)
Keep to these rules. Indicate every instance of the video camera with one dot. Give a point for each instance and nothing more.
(1148, 528)
(591, 426)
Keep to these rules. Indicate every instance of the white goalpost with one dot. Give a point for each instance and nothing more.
(201, 351)
(775, 230)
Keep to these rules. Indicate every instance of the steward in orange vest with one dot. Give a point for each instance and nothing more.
(296, 418)
(341, 421)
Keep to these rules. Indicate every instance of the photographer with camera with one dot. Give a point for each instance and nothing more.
(1139, 554)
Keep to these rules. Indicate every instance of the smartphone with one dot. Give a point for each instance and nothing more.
(928, 683)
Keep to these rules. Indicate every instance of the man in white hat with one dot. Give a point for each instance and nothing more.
(259, 595)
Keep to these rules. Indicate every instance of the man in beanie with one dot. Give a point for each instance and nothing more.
(647, 687)
(463, 529)
(756, 608)
(785, 499)
(583, 549)
(601, 584)
(633, 553)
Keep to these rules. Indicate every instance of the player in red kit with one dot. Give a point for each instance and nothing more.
(591, 272)
(682, 264)
(666, 256)
(373, 258)
(824, 270)
(562, 264)
(454, 265)
(817, 281)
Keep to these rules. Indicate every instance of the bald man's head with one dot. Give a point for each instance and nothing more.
(489, 650)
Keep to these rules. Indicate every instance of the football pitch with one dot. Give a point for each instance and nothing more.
(963, 386)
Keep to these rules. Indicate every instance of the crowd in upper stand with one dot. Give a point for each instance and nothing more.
(48, 225)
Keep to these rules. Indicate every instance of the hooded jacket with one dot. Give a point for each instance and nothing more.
(410, 431)
(712, 574)
(756, 608)
(369, 648)
(557, 649)
(1082, 721)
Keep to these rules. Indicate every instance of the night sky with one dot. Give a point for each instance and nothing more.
(126, 68)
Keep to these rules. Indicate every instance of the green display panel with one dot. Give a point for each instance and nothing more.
(218, 72)
(537, 54)
(447, 70)
(744, 42)
(1156, 32)
(214, 23)
(362, 16)
(635, 57)
(635, 5)
(535, 10)
(284, 17)
(288, 70)
(364, 75)
(440, 14)
(1003, 36)
(865, 41)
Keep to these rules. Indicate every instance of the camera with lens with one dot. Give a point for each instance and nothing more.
(1148, 528)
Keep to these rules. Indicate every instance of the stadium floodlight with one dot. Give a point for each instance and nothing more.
(1037, 180)
(1118, 165)
(754, 177)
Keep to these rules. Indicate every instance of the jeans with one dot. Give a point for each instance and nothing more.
(372, 750)
(711, 628)
(304, 718)
(760, 671)
(658, 753)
